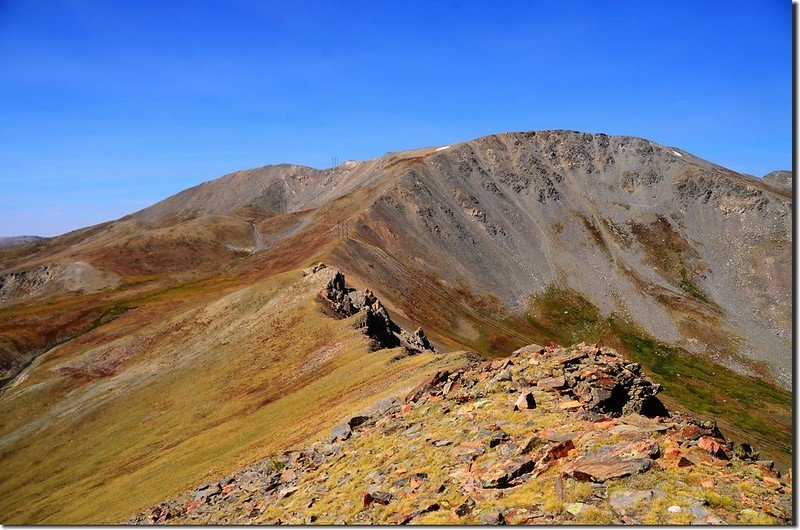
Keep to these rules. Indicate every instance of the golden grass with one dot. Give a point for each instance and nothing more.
(211, 390)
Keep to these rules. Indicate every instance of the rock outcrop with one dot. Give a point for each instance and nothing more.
(373, 319)
(458, 449)
(603, 382)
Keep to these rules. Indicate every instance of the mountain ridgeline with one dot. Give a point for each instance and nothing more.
(696, 255)
(680, 265)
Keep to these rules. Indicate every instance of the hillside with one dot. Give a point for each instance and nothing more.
(187, 335)
(696, 254)
(140, 408)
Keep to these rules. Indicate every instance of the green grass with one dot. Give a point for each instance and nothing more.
(748, 409)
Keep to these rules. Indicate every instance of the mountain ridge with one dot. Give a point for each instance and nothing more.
(676, 263)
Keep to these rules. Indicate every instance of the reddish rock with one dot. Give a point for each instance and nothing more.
(426, 386)
(614, 461)
(696, 455)
(672, 451)
(525, 401)
(378, 497)
(560, 450)
(500, 364)
(502, 475)
(551, 383)
(192, 505)
(714, 447)
(602, 469)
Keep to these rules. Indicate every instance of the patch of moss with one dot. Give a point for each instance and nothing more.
(715, 500)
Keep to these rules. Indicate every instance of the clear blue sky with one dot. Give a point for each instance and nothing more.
(108, 106)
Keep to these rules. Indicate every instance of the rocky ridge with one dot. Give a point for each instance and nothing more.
(549, 435)
(341, 301)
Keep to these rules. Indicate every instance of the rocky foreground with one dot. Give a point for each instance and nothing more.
(550, 435)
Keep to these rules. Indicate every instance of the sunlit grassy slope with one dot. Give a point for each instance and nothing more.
(93, 436)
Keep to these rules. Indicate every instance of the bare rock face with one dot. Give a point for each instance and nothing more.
(614, 461)
(340, 301)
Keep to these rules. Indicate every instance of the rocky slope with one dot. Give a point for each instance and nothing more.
(547, 436)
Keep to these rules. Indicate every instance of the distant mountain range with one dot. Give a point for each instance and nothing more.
(13, 241)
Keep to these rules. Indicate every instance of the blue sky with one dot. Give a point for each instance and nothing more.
(108, 106)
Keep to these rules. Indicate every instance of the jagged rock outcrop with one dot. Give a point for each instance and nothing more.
(458, 450)
(340, 301)
(603, 382)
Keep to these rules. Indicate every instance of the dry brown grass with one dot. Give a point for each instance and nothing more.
(209, 390)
